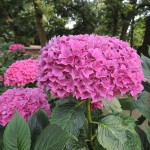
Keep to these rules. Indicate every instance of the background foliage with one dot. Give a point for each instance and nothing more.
(34, 22)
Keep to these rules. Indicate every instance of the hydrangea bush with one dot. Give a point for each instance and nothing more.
(89, 80)
(90, 67)
(23, 100)
(17, 47)
(21, 73)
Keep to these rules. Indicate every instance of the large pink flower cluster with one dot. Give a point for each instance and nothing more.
(90, 66)
(16, 47)
(21, 73)
(24, 100)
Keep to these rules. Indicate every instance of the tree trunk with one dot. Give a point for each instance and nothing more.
(115, 23)
(39, 22)
(127, 20)
(144, 47)
(132, 32)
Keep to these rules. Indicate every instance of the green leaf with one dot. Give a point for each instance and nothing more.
(77, 145)
(147, 131)
(37, 122)
(96, 145)
(144, 141)
(69, 116)
(112, 106)
(1, 136)
(63, 101)
(115, 133)
(127, 103)
(142, 104)
(52, 138)
(146, 86)
(146, 67)
(17, 134)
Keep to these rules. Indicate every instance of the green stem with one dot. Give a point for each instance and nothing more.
(90, 123)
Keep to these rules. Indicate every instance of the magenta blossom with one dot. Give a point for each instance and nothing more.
(21, 73)
(24, 100)
(16, 47)
(90, 66)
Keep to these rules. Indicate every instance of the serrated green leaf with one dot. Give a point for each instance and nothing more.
(115, 134)
(17, 134)
(96, 145)
(63, 101)
(146, 67)
(1, 136)
(69, 116)
(76, 145)
(147, 131)
(37, 122)
(52, 138)
(112, 106)
(144, 141)
(142, 104)
(127, 104)
(146, 86)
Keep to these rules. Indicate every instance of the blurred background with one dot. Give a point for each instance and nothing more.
(34, 22)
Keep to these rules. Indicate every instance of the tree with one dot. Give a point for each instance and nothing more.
(146, 42)
(39, 22)
(127, 17)
(82, 12)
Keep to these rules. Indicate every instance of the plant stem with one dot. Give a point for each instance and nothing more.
(89, 118)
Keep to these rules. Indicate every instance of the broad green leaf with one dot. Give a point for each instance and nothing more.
(96, 114)
(52, 138)
(115, 133)
(1, 136)
(96, 145)
(146, 67)
(144, 141)
(77, 145)
(69, 116)
(127, 104)
(113, 105)
(17, 134)
(147, 131)
(63, 101)
(37, 122)
(146, 86)
(126, 120)
(142, 104)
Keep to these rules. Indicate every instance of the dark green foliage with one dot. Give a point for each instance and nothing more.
(69, 116)
(17, 134)
(117, 133)
(52, 137)
(37, 122)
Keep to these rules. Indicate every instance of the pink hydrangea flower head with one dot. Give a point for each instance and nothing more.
(1, 78)
(21, 73)
(23, 100)
(90, 66)
(16, 47)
